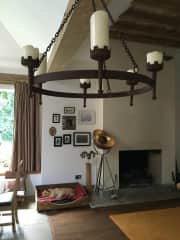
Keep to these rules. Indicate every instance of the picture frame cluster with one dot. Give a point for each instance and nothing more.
(68, 122)
(79, 139)
(60, 140)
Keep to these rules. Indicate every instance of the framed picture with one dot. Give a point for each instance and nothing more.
(69, 110)
(67, 139)
(56, 118)
(87, 117)
(81, 139)
(69, 122)
(57, 141)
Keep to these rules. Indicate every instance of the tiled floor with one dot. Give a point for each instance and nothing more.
(32, 226)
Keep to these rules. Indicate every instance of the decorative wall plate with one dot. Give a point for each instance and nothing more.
(52, 131)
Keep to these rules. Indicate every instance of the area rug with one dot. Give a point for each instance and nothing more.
(161, 224)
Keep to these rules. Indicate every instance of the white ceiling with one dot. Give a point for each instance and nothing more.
(25, 22)
(33, 22)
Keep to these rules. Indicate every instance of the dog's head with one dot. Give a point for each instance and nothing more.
(45, 193)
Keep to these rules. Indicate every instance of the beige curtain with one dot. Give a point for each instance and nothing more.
(26, 130)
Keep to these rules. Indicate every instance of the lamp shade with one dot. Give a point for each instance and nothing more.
(99, 29)
(102, 139)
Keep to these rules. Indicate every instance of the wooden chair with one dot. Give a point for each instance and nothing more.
(10, 181)
(8, 202)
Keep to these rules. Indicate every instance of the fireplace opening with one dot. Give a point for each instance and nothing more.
(135, 167)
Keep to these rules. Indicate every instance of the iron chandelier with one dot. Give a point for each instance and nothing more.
(100, 52)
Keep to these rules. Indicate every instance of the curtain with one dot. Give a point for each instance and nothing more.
(26, 145)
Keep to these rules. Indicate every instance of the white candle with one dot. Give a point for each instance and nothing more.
(99, 29)
(130, 70)
(155, 56)
(30, 51)
(27, 51)
(35, 53)
(83, 81)
(43, 66)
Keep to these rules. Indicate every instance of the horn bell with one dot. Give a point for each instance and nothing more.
(103, 139)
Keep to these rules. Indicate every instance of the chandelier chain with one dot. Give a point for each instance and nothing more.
(66, 18)
(127, 50)
(122, 39)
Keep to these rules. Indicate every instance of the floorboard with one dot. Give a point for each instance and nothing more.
(92, 224)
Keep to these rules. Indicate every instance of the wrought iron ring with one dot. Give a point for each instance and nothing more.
(92, 74)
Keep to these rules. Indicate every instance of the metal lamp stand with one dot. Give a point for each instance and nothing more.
(100, 174)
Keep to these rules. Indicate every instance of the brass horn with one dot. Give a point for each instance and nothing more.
(102, 139)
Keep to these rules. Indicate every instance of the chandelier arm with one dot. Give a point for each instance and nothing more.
(91, 95)
(84, 96)
(100, 76)
(154, 77)
(93, 5)
(131, 95)
(107, 80)
(31, 80)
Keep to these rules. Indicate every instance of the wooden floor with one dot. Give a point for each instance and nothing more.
(84, 224)
(95, 224)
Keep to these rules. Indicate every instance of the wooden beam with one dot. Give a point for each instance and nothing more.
(145, 39)
(172, 5)
(160, 8)
(149, 18)
(146, 29)
(139, 23)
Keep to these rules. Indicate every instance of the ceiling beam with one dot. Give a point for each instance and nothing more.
(149, 30)
(150, 22)
(166, 8)
(141, 17)
(136, 37)
(172, 5)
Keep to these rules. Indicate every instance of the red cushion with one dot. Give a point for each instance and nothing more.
(46, 199)
(79, 192)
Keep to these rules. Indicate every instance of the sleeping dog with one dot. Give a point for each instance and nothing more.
(58, 192)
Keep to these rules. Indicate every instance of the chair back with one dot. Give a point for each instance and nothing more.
(17, 182)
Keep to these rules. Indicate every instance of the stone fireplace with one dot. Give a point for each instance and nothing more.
(139, 168)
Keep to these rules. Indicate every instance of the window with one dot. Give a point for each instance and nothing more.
(6, 125)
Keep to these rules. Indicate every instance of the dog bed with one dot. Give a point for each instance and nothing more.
(79, 198)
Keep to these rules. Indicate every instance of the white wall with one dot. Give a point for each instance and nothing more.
(61, 164)
(10, 53)
(148, 124)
